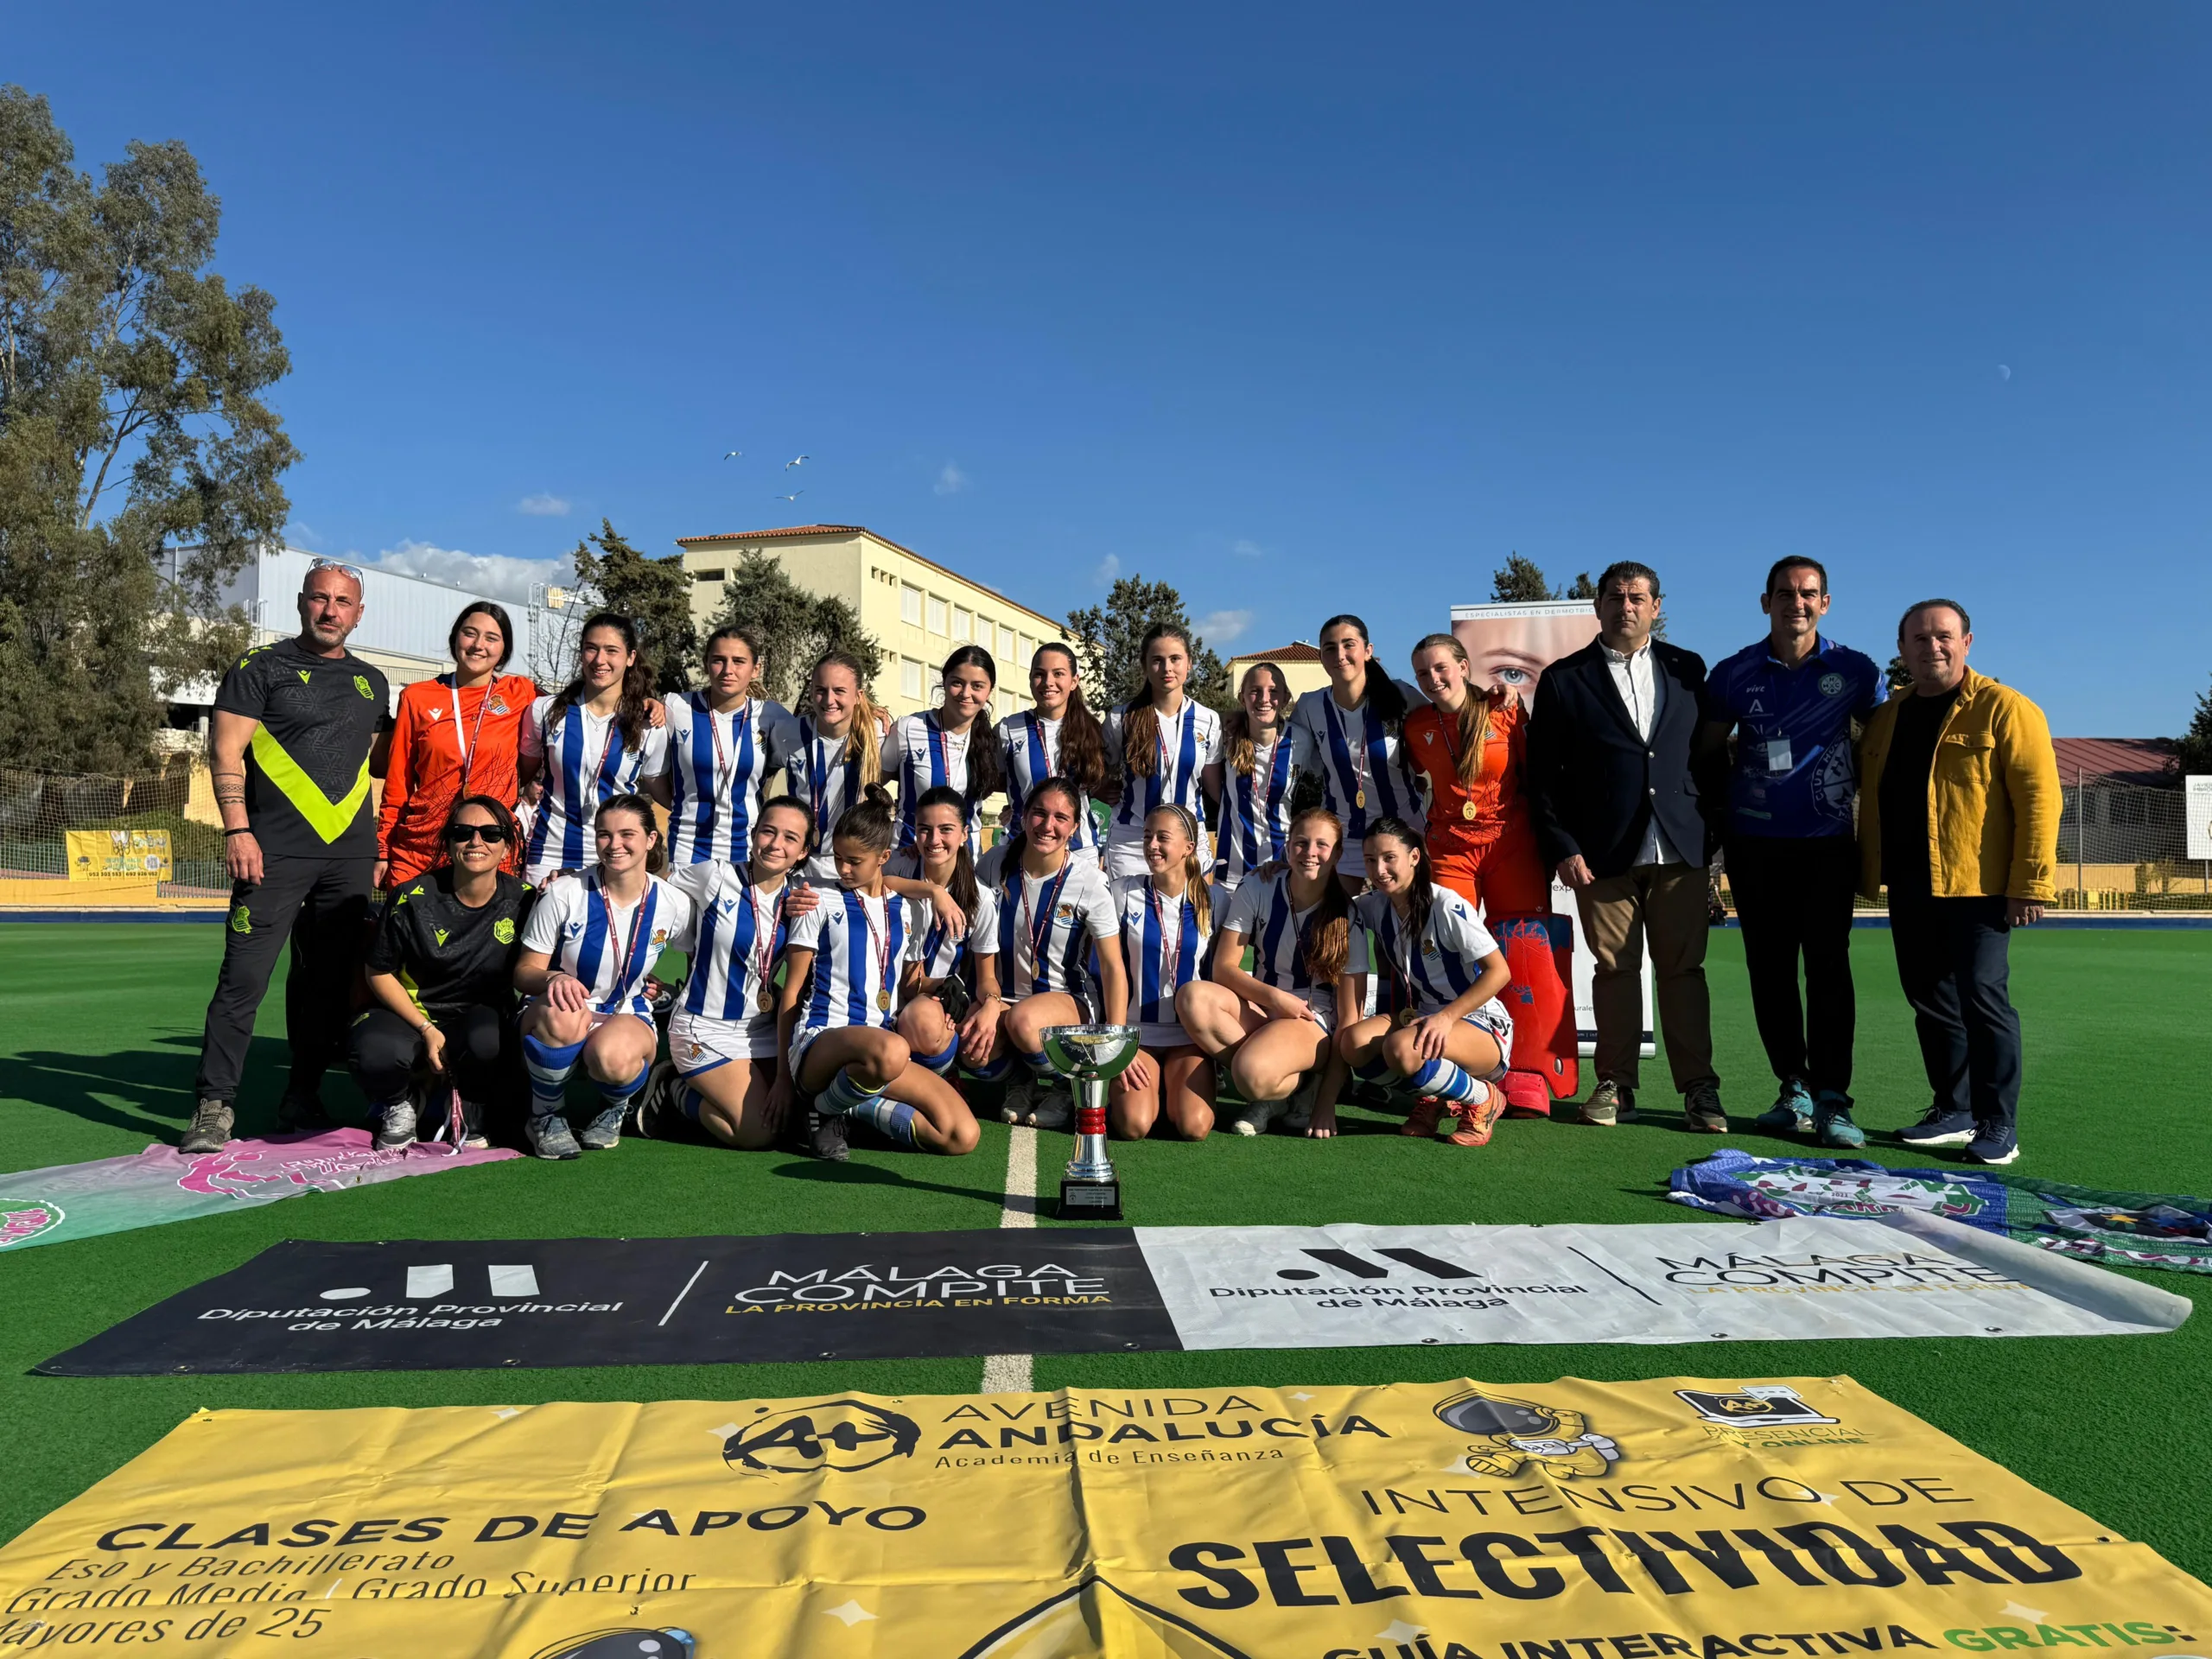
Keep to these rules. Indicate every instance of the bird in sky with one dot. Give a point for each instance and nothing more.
(790, 464)
(793, 496)
(733, 454)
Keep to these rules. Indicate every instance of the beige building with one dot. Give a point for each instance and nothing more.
(1300, 662)
(916, 609)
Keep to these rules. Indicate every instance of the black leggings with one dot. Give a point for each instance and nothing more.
(385, 1050)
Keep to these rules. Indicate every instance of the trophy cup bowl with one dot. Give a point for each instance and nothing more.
(1089, 1056)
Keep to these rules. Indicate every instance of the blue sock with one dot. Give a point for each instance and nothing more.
(998, 1068)
(548, 1067)
(942, 1064)
(688, 1103)
(893, 1118)
(1040, 1064)
(1374, 1071)
(1441, 1080)
(621, 1094)
(843, 1095)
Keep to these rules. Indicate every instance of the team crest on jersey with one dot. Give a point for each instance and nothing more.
(241, 919)
(1831, 685)
(660, 936)
(497, 705)
(1066, 912)
(360, 684)
(504, 931)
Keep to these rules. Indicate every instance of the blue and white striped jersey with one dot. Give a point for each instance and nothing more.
(1443, 961)
(1186, 743)
(1048, 926)
(1366, 773)
(1164, 947)
(940, 954)
(585, 761)
(860, 945)
(926, 757)
(609, 947)
(827, 782)
(1262, 914)
(717, 766)
(1033, 755)
(738, 931)
(1256, 805)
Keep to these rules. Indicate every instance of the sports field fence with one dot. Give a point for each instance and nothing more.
(72, 839)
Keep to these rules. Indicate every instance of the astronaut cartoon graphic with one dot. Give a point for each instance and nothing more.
(1510, 1434)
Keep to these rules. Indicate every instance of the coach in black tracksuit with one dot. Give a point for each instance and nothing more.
(297, 735)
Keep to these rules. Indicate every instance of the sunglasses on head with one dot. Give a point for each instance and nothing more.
(460, 832)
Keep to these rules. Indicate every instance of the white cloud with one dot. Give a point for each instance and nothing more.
(296, 531)
(1108, 567)
(1221, 628)
(543, 505)
(488, 575)
(1245, 548)
(951, 481)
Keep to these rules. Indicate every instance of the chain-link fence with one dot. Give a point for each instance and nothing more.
(70, 839)
(2124, 847)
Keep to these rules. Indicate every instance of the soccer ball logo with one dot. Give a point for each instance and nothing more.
(1510, 1434)
(846, 1435)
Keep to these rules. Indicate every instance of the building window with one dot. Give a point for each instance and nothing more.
(963, 624)
(910, 605)
(1028, 650)
(937, 614)
(910, 679)
(707, 576)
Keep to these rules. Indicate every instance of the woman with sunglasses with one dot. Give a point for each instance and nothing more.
(441, 973)
(1263, 753)
(452, 736)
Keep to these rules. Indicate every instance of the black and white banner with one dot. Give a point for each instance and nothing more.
(301, 1307)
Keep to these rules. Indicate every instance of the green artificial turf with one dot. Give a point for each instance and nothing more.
(101, 1035)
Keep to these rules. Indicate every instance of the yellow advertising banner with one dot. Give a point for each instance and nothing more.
(1677, 1519)
(96, 855)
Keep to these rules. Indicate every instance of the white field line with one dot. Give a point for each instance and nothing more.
(1011, 1373)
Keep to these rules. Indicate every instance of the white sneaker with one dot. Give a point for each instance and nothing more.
(1256, 1117)
(398, 1128)
(1016, 1109)
(1054, 1112)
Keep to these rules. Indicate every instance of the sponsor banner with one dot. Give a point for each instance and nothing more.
(1687, 1518)
(94, 855)
(112, 1195)
(301, 1307)
(2128, 1229)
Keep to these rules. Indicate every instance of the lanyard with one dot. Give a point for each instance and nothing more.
(1041, 764)
(882, 947)
(468, 749)
(1164, 771)
(1263, 780)
(743, 712)
(941, 755)
(817, 779)
(764, 936)
(598, 772)
(628, 969)
(1171, 951)
(1037, 935)
(1355, 754)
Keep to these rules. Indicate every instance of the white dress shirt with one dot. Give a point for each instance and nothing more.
(1643, 691)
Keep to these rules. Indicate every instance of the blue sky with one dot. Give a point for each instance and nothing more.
(1304, 308)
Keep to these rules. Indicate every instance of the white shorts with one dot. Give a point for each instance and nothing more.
(1491, 1019)
(598, 1019)
(698, 1043)
(804, 1038)
(1167, 1033)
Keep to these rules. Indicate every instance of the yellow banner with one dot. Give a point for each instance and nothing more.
(1665, 1520)
(94, 854)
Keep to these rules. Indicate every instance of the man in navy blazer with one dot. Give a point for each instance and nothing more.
(1621, 818)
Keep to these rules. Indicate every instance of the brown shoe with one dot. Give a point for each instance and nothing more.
(1477, 1120)
(1608, 1103)
(1422, 1121)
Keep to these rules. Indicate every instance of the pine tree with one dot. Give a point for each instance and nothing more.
(1107, 638)
(654, 594)
(794, 627)
(2193, 751)
(1519, 580)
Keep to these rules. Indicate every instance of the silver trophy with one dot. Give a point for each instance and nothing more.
(1091, 1056)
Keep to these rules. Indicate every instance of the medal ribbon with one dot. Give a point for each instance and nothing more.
(468, 749)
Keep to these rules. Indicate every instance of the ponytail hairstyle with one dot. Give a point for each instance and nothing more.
(1324, 943)
(962, 886)
(1474, 713)
(1010, 868)
(498, 614)
(637, 682)
(1194, 874)
(1384, 700)
(1422, 892)
(1237, 729)
(656, 852)
(869, 821)
(1140, 724)
(986, 757)
(1082, 741)
(860, 736)
(748, 636)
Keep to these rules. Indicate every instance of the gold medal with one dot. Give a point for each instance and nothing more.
(767, 997)
(1360, 800)
(883, 1000)
(1467, 810)
(1403, 1018)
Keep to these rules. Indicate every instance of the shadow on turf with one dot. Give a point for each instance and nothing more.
(158, 1082)
(816, 1169)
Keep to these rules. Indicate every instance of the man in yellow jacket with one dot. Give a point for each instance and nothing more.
(1958, 814)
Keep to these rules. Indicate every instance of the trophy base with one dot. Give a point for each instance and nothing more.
(1089, 1201)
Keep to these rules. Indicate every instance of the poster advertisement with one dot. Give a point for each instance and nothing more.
(94, 854)
(1512, 645)
(1683, 1518)
(2198, 809)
